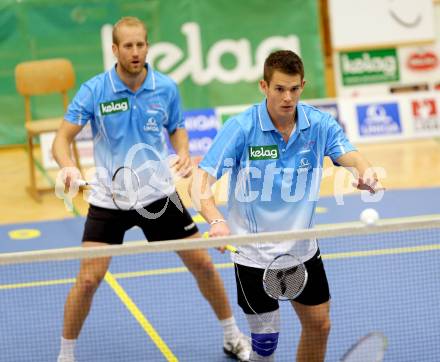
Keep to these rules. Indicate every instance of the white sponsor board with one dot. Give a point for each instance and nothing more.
(364, 119)
(375, 23)
(84, 145)
(391, 117)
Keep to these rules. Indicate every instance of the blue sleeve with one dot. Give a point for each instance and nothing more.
(225, 151)
(81, 109)
(337, 143)
(175, 115)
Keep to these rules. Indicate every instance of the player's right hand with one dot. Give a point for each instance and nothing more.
(217, 230)
(70, 177)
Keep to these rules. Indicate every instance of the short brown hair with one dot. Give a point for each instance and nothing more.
(285, 61)
(128, 21)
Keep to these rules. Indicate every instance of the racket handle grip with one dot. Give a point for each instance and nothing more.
(228, 247)
(81, 183)
(231, 248)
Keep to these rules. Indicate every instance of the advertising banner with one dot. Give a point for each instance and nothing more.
(425, 115)
(213, 50)
(374, 23)
(420, 64)
(378, 119)
(369, 66)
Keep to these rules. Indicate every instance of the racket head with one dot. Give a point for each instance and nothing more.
(285, 277)
(125, 188)
(370, 348)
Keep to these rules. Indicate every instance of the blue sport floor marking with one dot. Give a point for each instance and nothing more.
(368, 293)
(68, 232)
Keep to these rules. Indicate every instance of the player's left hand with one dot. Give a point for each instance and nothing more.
(371, 185)
(181, 164)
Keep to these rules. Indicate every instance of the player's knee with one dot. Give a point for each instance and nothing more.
(88, 284)
(203, 266)
(325, 326)
(320, 326)
(264, 344)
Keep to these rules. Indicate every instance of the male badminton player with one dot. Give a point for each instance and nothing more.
(128, 107)
(274, 152)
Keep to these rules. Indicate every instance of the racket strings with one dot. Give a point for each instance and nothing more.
(285, 283)
(125, 188)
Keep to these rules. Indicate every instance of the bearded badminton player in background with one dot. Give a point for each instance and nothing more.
(129, 106)
(274, 152)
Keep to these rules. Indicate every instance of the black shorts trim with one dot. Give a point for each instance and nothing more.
(250, 287)
(109, 225)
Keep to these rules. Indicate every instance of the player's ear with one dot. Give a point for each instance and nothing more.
(115, 50)
(263, 86)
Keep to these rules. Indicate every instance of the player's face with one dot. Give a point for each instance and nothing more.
(282, 94)
(131, 51)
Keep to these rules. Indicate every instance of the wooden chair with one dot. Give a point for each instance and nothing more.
(39, 78)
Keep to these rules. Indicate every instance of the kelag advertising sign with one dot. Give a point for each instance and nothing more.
(372, 66)
(214, 50)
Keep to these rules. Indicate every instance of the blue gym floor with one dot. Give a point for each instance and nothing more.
(394, 292)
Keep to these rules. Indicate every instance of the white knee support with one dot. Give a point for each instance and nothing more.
(264, 331)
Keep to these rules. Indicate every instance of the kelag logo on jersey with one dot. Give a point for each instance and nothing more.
(378, 119)
(116, 106)
(269, 152)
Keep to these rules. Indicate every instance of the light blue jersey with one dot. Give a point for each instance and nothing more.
(128, 128)
(274, 185)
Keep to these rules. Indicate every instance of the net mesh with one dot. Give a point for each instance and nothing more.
(148, 307)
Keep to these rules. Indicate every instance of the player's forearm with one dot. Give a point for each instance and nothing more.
(61, 147)
(180, 141)
(356, 163)
(209, 210)
(202, 197)
(61, 152)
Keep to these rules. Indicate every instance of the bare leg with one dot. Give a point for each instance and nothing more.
(211, 286)
(315, 323)
(79, 300)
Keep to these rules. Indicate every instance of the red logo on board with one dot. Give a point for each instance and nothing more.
(426, 118)
(424, 108)
(422, 61)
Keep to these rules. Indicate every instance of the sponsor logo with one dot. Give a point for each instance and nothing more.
(167, 57)
(263, 152)
(402, 18)
(373, 66)
(119, 105)
(425, 115)
(189, 227)
(304, 164)
(199, 146)
(378, 119)
(332, 109)
(307, 147)
(201, 120)
(202, 126)
(422, 61)
(151, 125)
